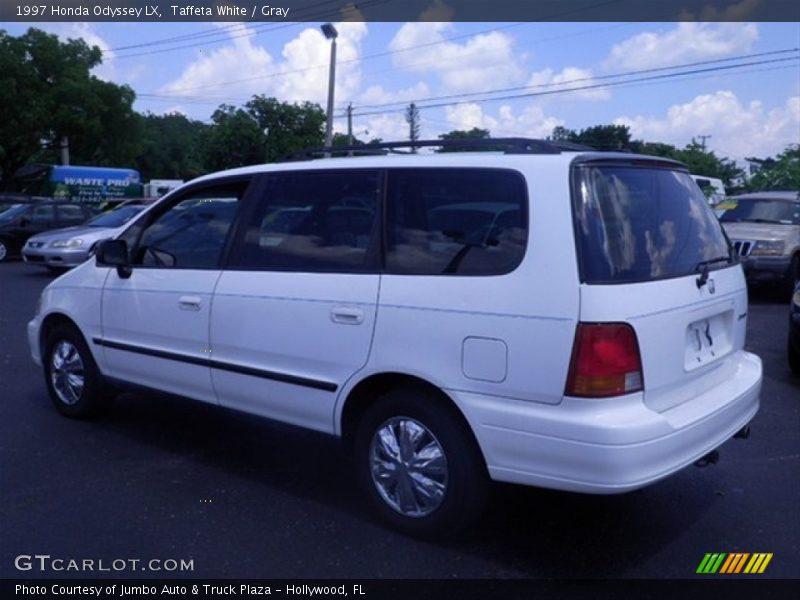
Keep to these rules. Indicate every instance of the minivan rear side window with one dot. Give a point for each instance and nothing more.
(313, 221)
(450, 221)
(642, 222)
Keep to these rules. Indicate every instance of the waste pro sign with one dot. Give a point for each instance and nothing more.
(93, 184)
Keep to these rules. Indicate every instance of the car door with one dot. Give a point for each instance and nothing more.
(294, 310)
(155, 322)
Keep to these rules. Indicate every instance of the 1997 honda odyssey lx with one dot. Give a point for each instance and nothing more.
(544, 316)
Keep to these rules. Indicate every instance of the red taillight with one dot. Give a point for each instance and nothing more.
(605, 361)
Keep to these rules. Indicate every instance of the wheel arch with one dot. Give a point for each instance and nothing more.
(50, 323)
(369, 390)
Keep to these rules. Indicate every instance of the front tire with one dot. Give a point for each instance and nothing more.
(71, 375)
(4, 251)
(419, 464)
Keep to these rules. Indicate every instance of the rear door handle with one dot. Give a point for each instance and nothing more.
(190, 302)
(348, 315)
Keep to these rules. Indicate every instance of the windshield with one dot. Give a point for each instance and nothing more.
(637, 223)
(115, 218)
(12, 213)
(761, 210)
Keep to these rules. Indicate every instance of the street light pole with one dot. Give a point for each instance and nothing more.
(330, 33)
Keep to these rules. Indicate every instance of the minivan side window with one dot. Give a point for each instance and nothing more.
(191, 233)
(311, 222)
(455, 221)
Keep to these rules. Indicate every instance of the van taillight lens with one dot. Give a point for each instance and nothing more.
(605, 361)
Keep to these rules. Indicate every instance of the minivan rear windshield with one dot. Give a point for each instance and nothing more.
(640, 223)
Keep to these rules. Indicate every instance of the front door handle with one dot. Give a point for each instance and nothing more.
(348, 315)
(190, 302)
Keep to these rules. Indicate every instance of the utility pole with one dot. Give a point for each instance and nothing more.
(703, 139)
(65, 150)
(350, 126)
(331, 34)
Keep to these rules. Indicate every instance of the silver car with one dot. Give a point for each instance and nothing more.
(764, 228)
(69, 247)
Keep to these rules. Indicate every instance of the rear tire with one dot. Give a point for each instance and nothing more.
(73, 380)
(419, 464)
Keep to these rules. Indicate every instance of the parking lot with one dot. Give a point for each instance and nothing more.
(163, 478)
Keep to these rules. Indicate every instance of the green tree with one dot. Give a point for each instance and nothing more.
(562, 134)
(414, 126)
(704, 162)
(234, 140)
(287, 127)
(600, 137)
(779, 173)
(50, 94)
(172, 147)
(475, 133)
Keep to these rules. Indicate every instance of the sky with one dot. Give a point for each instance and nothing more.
(514, 79)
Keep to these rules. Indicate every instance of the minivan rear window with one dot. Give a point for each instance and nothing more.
(642, 222)
(455, 221)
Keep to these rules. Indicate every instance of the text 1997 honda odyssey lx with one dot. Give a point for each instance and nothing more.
(544, 316)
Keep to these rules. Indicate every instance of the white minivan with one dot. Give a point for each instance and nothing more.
(541, 315)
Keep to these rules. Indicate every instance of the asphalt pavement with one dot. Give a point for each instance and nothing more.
(165, 479)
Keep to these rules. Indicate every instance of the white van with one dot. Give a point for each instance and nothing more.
(543, 316)
(713, 189)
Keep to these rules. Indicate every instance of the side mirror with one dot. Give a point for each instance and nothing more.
(114, 253)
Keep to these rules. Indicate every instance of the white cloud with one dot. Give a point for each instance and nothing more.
(376, 94)
(531, 121)
(737, 130)
(569, 77)
(388, 127)
(310, 49)
(483, 62)
(202, 76)
(250, 69)
(688, 42)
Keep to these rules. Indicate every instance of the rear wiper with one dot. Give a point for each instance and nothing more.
(702, 266)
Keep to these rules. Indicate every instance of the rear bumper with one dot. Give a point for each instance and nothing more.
(612, 445)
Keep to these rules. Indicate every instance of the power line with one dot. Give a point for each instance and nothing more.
(343, 62)
(593, 78)
(401, 50)
(579, 88)
(252, 31)
(212, 32)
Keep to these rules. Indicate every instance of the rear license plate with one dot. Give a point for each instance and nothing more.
(708, 340)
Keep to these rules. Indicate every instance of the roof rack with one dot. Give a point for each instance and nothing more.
(511, 145)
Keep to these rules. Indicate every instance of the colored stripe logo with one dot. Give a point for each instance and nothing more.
(734, 563)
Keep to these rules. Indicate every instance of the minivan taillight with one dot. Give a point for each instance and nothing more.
(605, 361)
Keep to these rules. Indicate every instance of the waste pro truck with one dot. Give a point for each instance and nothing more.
(85, 184)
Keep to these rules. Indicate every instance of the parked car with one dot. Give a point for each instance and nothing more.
(793, 346)
(22, 221)
(69, 247)
(764, 228)
(593, 341)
